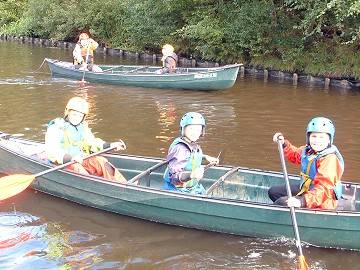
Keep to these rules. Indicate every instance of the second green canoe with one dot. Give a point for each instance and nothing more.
(216, 78)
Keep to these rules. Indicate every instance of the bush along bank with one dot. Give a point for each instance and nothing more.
(246, 70)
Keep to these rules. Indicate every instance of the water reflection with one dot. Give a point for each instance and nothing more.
(28, 242)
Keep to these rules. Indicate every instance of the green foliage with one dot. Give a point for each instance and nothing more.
(328, 18)
(146, 25)
(10, 13)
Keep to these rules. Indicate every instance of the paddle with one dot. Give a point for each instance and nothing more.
(12, 185)
(302, 262)
(86, 62)
(209, 165)
(158, 165)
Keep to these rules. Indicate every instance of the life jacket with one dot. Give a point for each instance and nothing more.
(193, 161)
(84, 49)
(309, 170)
(73, 140)
(167, 63)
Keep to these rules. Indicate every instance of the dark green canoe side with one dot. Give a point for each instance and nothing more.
(191, 79)
(251, 217)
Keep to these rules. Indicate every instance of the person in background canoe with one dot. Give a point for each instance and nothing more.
(69, 138)
(185, 156)
(322, 167)
(83, 52)
(169, 60)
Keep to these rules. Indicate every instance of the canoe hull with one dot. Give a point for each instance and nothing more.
(204, 79)
(319, 228)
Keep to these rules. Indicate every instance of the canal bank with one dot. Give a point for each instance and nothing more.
(154, 59)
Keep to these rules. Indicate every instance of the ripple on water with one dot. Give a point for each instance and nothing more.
(27, 242)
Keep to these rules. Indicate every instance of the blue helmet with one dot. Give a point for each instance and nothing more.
(321, 124)
(192, 118)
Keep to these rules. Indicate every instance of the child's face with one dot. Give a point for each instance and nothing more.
(319, 141)
(193, 132)
(75, 118)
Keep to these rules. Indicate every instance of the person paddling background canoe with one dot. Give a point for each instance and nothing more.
(83, 53)
(185, 156)
(169, 60)
(322, 167)
(69, 138)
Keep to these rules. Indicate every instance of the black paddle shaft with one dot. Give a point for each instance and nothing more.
(292, 209)
(72, 162)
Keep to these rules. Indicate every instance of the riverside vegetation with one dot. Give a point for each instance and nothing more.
(317, 37)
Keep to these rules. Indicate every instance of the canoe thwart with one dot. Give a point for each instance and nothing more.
(136, 69)
(112, 69)
(222, 179)
(146, 172)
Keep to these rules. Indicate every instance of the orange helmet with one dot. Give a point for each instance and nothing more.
(77, 104)
(168, 47)
(83, 36)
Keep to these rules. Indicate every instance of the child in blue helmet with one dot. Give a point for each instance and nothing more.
(185, 156)
(322, 167)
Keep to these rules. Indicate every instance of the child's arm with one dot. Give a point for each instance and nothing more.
(292, 153)
(329, 173)
(177, 158)
(211, 159)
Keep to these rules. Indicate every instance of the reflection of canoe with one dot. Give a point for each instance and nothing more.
(144, 76)
(239, 205)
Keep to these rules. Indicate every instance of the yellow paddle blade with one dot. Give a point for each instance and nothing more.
(13, 184)
(302, 265)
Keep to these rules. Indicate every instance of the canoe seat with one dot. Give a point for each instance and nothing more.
(348, 200)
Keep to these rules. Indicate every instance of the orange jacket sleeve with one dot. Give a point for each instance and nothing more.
(293, 153)
(329, 172)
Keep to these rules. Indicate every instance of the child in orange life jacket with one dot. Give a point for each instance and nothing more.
(185, 156)
(83, 52)
(321, 169)
(69, 138)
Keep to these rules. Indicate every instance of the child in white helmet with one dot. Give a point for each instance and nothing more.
(185, 156)
(322, 167)
(169, 60)
(70, 139)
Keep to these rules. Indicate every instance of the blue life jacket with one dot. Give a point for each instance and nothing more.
(309, 170)
(193, 161)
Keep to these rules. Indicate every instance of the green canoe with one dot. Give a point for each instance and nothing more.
(144, 76)
(237, 204)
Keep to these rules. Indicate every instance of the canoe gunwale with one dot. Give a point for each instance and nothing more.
(134, 74)
(175, 194)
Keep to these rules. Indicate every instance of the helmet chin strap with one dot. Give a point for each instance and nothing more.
(187, 139)
(66, 118)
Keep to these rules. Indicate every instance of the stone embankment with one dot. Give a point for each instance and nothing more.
(279, 76)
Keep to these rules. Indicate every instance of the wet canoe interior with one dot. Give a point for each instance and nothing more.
(238, 183)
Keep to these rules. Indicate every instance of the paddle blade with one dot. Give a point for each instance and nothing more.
(13, 184)
(302, 265)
